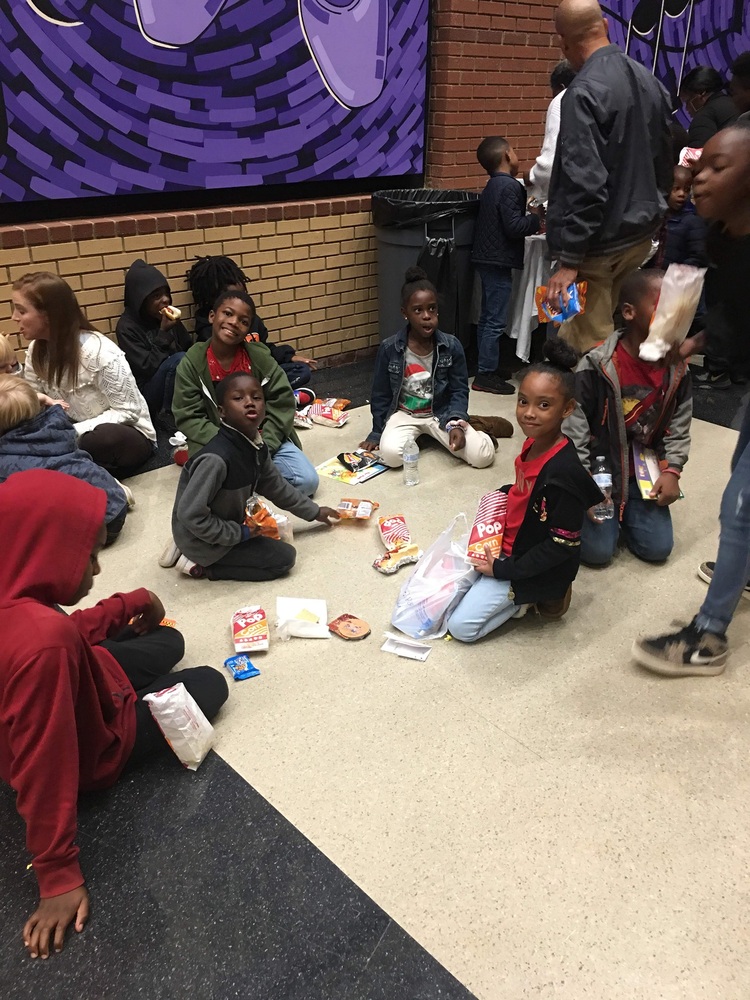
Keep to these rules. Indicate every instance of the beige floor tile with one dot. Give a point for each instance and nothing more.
(544, 817)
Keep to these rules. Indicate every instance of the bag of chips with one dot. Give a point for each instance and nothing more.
(488, 527)
(183, 724)
(576, 303)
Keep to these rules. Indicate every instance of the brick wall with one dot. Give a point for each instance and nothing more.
(490, 69)
(312, 266)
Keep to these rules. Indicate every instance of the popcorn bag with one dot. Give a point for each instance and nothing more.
(675, 310)
(183, 724)
(488, 527)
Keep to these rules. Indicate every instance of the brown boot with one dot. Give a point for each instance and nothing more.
(496, 427)
(552, 611)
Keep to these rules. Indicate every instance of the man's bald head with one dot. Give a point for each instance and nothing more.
(582, 29)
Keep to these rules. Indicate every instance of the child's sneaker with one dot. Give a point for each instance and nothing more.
(304, 397)
(189, 568)
(706, 572)
(170, 555)
(129, 497)
(691, 652)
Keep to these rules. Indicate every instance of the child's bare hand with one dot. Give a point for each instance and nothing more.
(301, 359)
(46, 400)
(486, 569)
(47, 924)
(369, 445)
(666, 489)
(327, 515)
(148, 620)
(456, 439)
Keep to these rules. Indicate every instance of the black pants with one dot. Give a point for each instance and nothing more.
(256, 559)
(118, 448)
(147, 660)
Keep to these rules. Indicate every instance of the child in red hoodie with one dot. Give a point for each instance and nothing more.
(71, 686)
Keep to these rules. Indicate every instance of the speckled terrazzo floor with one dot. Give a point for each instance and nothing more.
(533, 816)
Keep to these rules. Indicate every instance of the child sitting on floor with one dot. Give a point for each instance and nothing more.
(72, 715)
(153, 342)
(211, 276)
(210, 534)
(546, 507)
(33, 436)
(195, 409)
(421, 385)
(624, 401)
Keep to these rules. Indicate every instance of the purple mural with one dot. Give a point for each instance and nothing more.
(672, 36)
(122, 97)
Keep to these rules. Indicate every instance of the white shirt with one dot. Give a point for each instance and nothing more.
(541, 172)
(105, 390)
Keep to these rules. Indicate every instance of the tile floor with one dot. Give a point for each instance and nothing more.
(533, 816)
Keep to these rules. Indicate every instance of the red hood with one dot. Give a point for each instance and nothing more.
(49, 523)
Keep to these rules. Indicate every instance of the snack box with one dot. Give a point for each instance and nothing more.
(250, 629)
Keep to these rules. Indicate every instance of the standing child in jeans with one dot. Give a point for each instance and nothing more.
(722, 193)
(624, 401)
(498, 248)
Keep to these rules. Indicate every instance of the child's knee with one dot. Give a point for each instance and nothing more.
(390, 453)
(286, 557)
(172, 642)
(597, 548)
(480, 451)
(655, 550)
(308, 481)
(209, 688)
(462, 628)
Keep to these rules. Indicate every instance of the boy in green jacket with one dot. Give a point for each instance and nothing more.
(195, 408)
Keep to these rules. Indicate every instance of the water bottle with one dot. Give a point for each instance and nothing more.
(603, 478)
(411, 464)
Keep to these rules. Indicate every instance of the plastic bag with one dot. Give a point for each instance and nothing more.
(439, 581)
(675, 311)
(183, 724)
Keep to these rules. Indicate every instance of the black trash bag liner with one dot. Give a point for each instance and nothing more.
(417, 206)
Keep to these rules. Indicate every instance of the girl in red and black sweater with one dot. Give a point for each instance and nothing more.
(546, 505)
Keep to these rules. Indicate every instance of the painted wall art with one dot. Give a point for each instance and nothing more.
(127, 97)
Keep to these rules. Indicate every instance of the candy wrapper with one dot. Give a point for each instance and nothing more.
(349, 627)
(183, 724)
(351, 508)
(240, 667)
(675, 311)
(329, 416)
(488, 527)
(396, 537)
(270, 524)
(250, 629)
(357, 461)
(576, 303)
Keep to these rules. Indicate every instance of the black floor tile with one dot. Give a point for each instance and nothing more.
(200, 888)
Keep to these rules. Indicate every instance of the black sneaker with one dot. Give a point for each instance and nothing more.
(706, 572)
(691, 652)
(490, 382)
(712, 380)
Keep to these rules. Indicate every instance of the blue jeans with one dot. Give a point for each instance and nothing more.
(296, 469)
(298, 373)
(482, 609)
(646, 526)
(497, 285)
(159, 389)
(733, 560)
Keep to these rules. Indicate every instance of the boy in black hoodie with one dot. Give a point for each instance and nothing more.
(154, 343)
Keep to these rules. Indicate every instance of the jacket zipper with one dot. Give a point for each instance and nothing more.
(625, 481)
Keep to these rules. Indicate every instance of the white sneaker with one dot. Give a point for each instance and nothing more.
(170, 555)
(188, 567)
(129, 496)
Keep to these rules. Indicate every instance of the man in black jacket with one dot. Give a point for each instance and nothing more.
(612, 171)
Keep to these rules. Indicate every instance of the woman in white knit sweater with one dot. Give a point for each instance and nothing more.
(69, 361)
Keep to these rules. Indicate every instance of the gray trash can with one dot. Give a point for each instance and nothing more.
(434, 229)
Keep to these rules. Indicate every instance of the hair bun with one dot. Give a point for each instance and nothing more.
(415, 274)
(559, 354)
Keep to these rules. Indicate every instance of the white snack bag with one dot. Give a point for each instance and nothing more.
(675, 310)
(183, 724)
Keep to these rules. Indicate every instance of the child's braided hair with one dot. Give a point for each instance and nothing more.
(208, 278)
